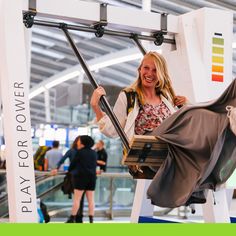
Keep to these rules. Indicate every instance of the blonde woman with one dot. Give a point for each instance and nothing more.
(155, 100)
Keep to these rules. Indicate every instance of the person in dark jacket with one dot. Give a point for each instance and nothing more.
(102, 155)
(83, 171)
(71, 153)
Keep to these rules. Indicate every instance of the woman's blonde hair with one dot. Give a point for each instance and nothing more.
(163, 86)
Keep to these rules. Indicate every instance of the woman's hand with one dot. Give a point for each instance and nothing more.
(180, 101)
(98, 92)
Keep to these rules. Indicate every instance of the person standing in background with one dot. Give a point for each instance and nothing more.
(83, 171)
(71, 153)
(52, 157)
(102, 155)
(39, 157)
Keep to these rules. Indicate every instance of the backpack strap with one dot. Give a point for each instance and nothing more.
(130, 95)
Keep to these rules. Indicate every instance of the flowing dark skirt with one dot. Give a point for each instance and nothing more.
(202, 152)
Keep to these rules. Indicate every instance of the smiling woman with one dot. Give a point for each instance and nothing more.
(152, 101)
(155, 99)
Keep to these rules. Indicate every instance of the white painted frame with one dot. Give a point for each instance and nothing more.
(15, 83)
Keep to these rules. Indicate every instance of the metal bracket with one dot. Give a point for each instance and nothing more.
(159, 36)
(146, 149)
(28, 18)
(99, 26)
(99, 30)
(32, 5)
(63, 26)
(164, 23)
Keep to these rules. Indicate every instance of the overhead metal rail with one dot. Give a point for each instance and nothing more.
(99, 27)
(157, 37)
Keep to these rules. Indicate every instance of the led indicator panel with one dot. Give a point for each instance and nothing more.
(217, 68)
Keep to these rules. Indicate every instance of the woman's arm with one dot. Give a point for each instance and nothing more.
(104, 122)
(94, 102)
(67, 155)
(103, 163)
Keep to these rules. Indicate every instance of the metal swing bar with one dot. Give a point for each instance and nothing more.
(103, 99)
(138, 43)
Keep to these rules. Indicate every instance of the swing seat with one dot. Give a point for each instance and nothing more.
(145, 151)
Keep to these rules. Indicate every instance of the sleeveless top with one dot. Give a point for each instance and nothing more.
(150, 117)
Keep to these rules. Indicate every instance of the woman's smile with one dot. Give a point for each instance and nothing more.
(148, 79)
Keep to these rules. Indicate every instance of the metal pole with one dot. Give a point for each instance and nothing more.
(103, 99)
(107, 32)
(138, 43)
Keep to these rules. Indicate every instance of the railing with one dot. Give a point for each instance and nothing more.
(114, 195)
(120, 189)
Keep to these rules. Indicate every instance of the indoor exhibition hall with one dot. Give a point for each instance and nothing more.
(118, 111)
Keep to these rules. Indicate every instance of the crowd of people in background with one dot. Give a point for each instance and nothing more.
(51, 158)
(87, 159)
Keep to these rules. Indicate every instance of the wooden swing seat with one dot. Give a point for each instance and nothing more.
(145, 151)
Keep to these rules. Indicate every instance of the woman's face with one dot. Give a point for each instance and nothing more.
(148, 73)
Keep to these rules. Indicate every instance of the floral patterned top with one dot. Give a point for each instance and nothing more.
(150, 117)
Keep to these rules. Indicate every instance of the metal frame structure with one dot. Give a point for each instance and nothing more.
(193, 49)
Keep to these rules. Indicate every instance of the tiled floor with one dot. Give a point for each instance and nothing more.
(177, 215)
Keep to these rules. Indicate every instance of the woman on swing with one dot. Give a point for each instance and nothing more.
(154, 101)
(191, 133)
